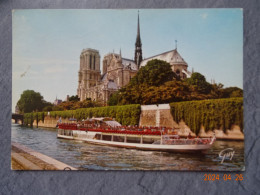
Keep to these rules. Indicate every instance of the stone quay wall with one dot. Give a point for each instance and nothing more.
(50, 122)
(160, 115)
(23, 158)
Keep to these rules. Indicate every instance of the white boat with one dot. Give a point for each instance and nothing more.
(152, 138)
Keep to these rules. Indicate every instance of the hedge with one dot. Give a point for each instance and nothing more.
(30, 117)
(126, 115)
(212, 114)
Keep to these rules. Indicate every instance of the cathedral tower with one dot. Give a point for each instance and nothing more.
(138, 45)
(89, 72)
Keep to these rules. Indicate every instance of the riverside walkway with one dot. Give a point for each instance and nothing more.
(24, 158)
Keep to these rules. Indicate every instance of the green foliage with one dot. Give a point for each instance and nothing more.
(74, 98)
(63, 114)
(30, 101)
(73, 105)
(27, 118)
(148, 78)
(114, 98)
(143, 90)
(171, 91)
(200, 82)
(212, 114)
(126, 115)
(57, 108)
(46, 104)
(87, 104)
(30, 117)
(155, 73)
(47, 108)
(232, 92)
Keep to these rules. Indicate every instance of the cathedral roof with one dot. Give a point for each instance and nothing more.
(127, 62)
(172, 57)
(112, 85)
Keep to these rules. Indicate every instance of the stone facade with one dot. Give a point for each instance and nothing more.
(117, 71)
(178, 64)
(89, 73)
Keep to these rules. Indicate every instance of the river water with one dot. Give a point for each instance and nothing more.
(86, 156)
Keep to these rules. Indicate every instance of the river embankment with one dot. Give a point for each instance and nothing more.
(147, 118)
(204, 118)
(84, 156)
(24, 158)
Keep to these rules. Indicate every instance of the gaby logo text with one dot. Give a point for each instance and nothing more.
(227, 153)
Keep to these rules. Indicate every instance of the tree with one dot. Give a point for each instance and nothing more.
(217, 90)
(237, 93)
(30, 101)
(74, 98)
(155, 73)
(200, 82)
(232, 92)
(47, 108)
(57, 108)
(155, 84)
(113, 100)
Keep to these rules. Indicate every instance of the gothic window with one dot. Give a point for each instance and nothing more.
(90, 61)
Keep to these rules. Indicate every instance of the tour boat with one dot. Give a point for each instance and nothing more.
(105, 131)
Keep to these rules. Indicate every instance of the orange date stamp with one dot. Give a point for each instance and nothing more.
(225, 177)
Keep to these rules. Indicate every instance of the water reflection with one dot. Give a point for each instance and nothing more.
(86, 156)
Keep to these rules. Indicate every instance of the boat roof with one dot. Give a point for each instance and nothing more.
(113, 123)
(108, 121)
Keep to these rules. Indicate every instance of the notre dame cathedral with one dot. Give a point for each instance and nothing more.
(117, 70)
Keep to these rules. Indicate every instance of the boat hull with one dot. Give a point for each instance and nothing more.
(139, 146)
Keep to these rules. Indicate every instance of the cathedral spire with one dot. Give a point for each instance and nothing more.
(138, 29)
(138, 45)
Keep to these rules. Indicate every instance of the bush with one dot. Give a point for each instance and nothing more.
(126, 115)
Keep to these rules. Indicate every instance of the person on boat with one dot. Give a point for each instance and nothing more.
(78, 125)
(58, 122)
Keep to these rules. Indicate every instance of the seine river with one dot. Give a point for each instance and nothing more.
(93, 157)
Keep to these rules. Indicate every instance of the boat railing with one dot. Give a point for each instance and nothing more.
(195, 141)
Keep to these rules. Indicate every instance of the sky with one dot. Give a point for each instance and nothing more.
(47, 43)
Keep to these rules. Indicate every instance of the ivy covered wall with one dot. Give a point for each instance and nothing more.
(126, 115)
(212, 114)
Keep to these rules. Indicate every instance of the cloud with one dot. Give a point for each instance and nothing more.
(204, 16)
